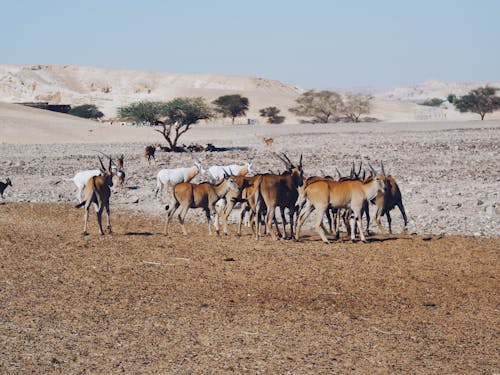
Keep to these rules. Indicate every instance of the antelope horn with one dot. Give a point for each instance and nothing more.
(289, 162)
(281, 158)
(359, 170)
(338, 172)
(300, 161)
(100, 161)
(372, 169)
(110, 161)
(382, 167)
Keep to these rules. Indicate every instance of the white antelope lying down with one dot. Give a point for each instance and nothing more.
(325, 194)
(97, 191)
(204, 195)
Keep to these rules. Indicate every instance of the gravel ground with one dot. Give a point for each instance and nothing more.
(449, 176)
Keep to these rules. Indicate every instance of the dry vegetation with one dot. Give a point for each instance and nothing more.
(139, 302)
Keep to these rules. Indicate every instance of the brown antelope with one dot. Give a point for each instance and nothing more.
(204, 195)
(349, 194)
(149, 153)
(97, 191)
(389, 200)
(278, 191)
(268, 141)
(241, 195)
(3, 186)
(119, 161)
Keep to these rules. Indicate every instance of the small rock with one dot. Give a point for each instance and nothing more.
(134, 199)
(440, 208)
(480, 202)
(490, 210)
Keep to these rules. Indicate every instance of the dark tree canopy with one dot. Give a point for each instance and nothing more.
(434, 102)
(231, 106)
(86, 111)
(272, 114)
(145, 112)
(320, 106)
(482, 100)
(180, 114)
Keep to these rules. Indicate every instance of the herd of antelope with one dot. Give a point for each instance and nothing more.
(344, 199)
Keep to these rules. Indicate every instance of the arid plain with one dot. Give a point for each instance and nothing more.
(424, 301)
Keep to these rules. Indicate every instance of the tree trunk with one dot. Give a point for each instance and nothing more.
(482, 116)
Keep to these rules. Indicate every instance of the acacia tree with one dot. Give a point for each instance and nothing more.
(321, 106)
(231, 106)
(482, 100)
(356, 105)
(145, 112)
(272, 114)
(180, 114)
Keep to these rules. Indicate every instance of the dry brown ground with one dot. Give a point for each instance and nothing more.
(139, 302)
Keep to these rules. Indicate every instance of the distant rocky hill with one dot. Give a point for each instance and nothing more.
(110, 89)
(430, 89)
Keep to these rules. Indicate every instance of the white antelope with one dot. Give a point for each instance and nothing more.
(81, 178)
(204, 195)
(349, 194)
(217, 172)
(171, 177)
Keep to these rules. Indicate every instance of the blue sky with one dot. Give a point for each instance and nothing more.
(313, 43)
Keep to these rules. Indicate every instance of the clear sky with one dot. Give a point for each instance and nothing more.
(309, 43)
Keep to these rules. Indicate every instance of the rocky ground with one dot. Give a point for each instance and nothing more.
(449, 176)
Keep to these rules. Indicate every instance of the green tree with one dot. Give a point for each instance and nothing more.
(272, 114)
(434, 102)
(180, 114)
(481, 101)
(86, 111)
(356, 105)
(231, 106)
(321, 106)
(144, 112)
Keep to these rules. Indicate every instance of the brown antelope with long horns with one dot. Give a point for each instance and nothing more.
(278, 191)
(205, 195)
(97, 191)
(348, 194)
(388, 200)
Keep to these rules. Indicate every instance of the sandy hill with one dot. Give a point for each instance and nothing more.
(110, 89)
(430, 89)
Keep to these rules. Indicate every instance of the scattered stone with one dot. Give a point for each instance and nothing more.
(134, 199)
(480, 202)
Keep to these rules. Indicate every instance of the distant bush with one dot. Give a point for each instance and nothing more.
(434, 102)
(272, 114)
(86, 111)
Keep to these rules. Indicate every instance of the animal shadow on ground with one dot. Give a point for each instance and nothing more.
(138, 234)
